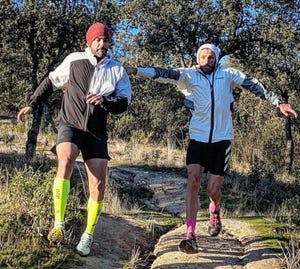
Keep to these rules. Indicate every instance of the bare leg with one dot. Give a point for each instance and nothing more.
(214, 193)
(96, 169)
(66, 154)
(195, 172)
(214, 189)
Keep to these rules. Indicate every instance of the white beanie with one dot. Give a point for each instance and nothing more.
(213, 48)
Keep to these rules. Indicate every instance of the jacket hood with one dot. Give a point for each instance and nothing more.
(212, 47)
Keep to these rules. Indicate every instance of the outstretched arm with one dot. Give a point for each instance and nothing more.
(153, 72)
(254, 86)
(176, 77)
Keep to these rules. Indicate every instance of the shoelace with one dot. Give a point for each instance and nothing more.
(87, 240)
(193, 242)
(191, 236)
(215, 218)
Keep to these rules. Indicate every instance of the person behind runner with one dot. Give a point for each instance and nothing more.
(209, 88)
(95, 85)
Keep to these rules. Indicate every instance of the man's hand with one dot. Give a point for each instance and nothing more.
(24, 111)
(130, 70)
(94, 98)
(287, 110)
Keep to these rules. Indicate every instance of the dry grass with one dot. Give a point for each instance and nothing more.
(134, 153)
(135, 260)
(12, 139)
(117, 206)
(290, 257)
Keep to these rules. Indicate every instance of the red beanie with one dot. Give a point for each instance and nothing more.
(95, 30)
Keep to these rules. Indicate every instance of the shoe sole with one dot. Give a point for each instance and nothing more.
(56, 235)
(214, 233)
(188, 250)
(81, 253)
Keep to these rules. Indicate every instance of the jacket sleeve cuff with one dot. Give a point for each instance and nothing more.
(115, 105)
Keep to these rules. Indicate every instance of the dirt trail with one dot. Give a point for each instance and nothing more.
(236, 247)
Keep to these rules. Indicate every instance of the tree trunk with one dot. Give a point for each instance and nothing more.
(48, 120)
(289, 149)
(33, 132)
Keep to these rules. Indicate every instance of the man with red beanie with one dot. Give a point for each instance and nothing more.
(96, 85)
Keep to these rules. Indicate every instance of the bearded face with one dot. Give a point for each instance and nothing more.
(207, 61)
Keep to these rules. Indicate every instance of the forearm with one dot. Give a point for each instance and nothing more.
(43, 91)
(156, 72)
(254, 86)
(145, 72)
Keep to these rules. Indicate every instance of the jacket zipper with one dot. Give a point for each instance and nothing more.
(212, 121)
(212, 112)
(87, 111)
(86, 117)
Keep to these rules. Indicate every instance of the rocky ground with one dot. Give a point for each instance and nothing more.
(116, 238)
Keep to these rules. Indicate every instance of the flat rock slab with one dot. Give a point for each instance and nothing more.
(236, 247)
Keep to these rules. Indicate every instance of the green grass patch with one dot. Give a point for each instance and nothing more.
(26, 216)
(269, 230)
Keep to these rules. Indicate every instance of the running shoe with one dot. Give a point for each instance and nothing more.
(85, 244)
(215, 225)
(189, 246)
(57, 234)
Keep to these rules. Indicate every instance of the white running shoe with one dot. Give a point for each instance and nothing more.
(85, 244)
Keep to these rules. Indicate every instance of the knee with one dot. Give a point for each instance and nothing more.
(194, 182)
(101, 186)
(66, 164)
(97, 187)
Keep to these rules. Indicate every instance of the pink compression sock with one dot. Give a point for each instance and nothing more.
(214, 208)
(191, 225)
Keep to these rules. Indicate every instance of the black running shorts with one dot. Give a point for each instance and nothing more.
(91, 146)
(213, 156)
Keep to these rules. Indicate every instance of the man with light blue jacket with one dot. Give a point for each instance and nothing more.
(208, 87)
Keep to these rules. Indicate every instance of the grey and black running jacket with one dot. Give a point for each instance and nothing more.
(79, 74)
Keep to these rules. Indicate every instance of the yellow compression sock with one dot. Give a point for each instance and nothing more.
(61, 189)
(93, 212)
